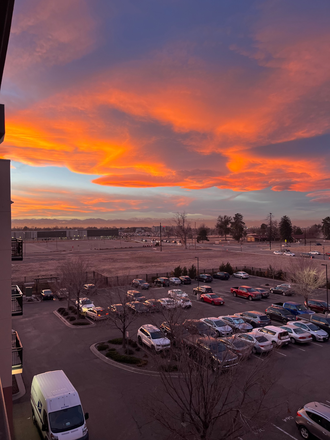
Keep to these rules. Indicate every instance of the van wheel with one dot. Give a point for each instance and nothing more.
(304, 432)
(34, 418)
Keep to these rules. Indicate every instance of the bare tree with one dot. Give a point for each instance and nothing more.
(306, 275)
(202, 402)
(72, 276)
(223, 225)
(182, 227)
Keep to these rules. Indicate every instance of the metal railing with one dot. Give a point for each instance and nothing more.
(17, 354)
(4, 425)
(16, 301)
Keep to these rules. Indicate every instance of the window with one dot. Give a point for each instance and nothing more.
(316, 418)
(325, 424)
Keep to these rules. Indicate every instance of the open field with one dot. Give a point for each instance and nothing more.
(119, 257)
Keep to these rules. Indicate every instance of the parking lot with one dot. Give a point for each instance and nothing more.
(116, 398)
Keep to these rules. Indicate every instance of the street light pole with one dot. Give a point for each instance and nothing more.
(270, 231)
(197, 258)
(326, 278)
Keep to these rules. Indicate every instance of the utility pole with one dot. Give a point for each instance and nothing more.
(195, 236)
(160, 237)
(270, 231)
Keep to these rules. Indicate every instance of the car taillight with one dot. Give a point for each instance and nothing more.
(298, 414)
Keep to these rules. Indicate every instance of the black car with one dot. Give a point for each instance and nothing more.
(119, 309)
(322, 321)
(197, 327)
(135, 295)
(204, 277)
(162, 282)
(185, 279)
(138, 282)
(222, 275)
(282, 289)
(47, 294)
(278, 313)
(137, 307)
(153, 305)
(264, 292)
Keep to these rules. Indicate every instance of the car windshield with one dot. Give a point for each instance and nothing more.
(313, 327)
(263, 318)
(239, 343)
(299, 331)
(261, 339)
(250, 289)
(86, 301)
(214, 296)
(208, 290)
(238, 320)
(219, 323)
(285, 312)
(156, 335)
(217, 347)
(301, 307)
(66, 419)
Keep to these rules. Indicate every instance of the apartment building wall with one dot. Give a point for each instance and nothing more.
(5, 285)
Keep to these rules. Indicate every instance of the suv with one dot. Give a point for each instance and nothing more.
(278, 313)
(154, 338)
(161, 282)
(47, 294)
(314, 420)
(323, 321)
(276, 335)
(256, 319)
(202, 289)
(185, 279)
(135, 295)
(204, 277)
(139, 282)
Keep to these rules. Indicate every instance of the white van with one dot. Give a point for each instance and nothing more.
(277, 335)
(56, 407)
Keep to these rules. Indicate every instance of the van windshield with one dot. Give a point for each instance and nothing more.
(66, 419)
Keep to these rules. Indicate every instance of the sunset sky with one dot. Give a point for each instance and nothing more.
(137, 109)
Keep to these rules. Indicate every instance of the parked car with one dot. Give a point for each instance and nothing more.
(204, 277)
(260, 343)
(135, 295)
(282, 289)
(256, 319)
(241, 274)
(323, 321)
(237, 324)
(278, 313)
(242, 347)
(316, 332)
(47, 294)
(222, 275)
(153, 305)
(246, 292)
(140, 283)
(62, 293)
(119, 309)
(313, 420)
(212, 298)
(162, 282)
(297, 309)
(264, 292)
(278, 252)
(177, 293)
(276, 335)
(137, 307)
(97, 313)
(167, 303)
(219, 325)
(176, 281)
(297, 335)
(184, 303)
(315, 252)
(84, 304)
(202, 289)
(89, 288)
(289, 254)
(153, 337)
(318, 306)
(185, 279)
(212, 351)
(197, 327)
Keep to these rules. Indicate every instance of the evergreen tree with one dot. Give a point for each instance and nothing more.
(286, 229)
(237, 227)
(223, 225)
(326, 227)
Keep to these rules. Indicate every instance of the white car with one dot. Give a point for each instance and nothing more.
(176, 281)
(85, 304)
(241, 274)
(314, 253)
(177, 293)
(220, 326)
(97, 313)
(289, 254)
(297, 334)
(154, 338)
(184, 302)
(278, 252)
(276, 335)
(168, 303)
(316, 332)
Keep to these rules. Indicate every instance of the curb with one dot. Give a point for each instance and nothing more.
(21, 388)
(108, 361)
(91, 324)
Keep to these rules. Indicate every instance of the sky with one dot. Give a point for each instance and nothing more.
(139, 109)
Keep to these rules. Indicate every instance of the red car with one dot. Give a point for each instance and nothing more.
(318, 306)
(212, 298)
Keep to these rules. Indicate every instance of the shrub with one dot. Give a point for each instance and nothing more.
(125, 359)
(80, 322)
(132, 343)
(129, 351)
(184, 271)
(61, 310)
(117, 341)
(72, 309)
(192, 272)
(102, 346)
(229, 268)
(169, 368)
(65, 313)
(177, 271)
(71, 318)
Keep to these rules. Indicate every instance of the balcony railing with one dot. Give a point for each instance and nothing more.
(16, 301)
(16, 249)
(17, 353)
(4, 425)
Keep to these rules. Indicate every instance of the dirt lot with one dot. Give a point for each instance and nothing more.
(137, 258)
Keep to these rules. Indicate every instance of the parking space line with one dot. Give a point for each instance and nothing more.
(258, 357)
(301, 349)
(327, 401)
(319, 345)
(282, 354)
(284, 432)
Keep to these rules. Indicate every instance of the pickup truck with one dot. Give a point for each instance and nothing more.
(246, 292)
(296, 308)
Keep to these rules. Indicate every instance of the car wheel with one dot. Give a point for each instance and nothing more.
(292, 340)
(254, 350)
(274, 344)
(250, 298)
(235, 294)
(212, 303)
(283, 293)
(34, 418)
(304, 432)
(139, 340)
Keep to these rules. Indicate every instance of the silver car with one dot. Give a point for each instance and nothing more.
(237, 324)
(316, 332)
(261, 344)
(219, 325)
(314, 420)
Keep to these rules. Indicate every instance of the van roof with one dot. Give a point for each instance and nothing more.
(54, 384)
